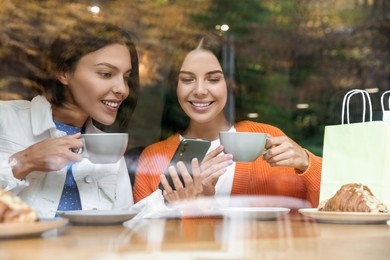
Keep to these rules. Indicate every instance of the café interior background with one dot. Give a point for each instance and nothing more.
(289, 62)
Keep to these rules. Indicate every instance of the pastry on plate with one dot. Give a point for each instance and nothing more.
(13, 209)
(353, 197)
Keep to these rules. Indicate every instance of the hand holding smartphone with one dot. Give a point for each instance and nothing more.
(186, 151)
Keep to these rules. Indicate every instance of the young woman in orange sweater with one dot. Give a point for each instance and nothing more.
(286, 170)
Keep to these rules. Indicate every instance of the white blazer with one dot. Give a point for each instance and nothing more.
(101, 186)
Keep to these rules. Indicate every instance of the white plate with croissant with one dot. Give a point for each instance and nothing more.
(18, 229)
(346, 217)
(353, 203)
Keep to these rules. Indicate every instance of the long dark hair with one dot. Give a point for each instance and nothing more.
(75, 42)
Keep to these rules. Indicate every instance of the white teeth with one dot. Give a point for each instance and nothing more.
(111, 104)
(201, 104)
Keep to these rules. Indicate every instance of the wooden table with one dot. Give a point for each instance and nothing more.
(291, 237)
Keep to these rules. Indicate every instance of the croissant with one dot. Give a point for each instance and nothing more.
(353, 197)
(13, 209)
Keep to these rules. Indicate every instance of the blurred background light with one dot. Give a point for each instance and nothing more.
(224, 27)
(252, 115)
(372, 90)
(302, 106)
(94, 9)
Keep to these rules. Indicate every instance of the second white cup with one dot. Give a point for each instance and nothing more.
(244, 146)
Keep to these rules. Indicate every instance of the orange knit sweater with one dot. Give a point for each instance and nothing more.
(250, 178)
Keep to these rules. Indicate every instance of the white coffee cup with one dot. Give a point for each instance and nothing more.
(102, 148)
(244, 146)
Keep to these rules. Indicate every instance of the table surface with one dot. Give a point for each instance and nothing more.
(290, 237)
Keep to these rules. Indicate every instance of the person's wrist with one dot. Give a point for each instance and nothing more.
(305, 163)
(17, 168)
(12, 162)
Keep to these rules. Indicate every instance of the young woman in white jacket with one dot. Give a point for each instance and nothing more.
(94, 68)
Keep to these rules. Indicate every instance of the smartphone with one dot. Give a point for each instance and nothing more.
(185, 152)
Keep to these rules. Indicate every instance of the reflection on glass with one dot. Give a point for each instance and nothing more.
(285, 54)
(196, 234)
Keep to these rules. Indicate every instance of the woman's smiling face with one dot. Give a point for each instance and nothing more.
(201, 89)
(100, 82)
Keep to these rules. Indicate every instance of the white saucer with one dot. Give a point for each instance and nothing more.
(259, 213)
(97, 217)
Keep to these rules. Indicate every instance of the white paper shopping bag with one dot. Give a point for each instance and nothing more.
(385, 112)
(357, 152)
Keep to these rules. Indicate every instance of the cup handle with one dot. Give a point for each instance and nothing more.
(266, 151)
(77, 150)
(82, 151)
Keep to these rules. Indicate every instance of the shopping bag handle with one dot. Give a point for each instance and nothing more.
(382, 100)
(347, 98)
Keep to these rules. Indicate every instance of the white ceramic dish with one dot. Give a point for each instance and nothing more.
(259, 213)
(346, 217)
(97, 217)
(12, 230)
